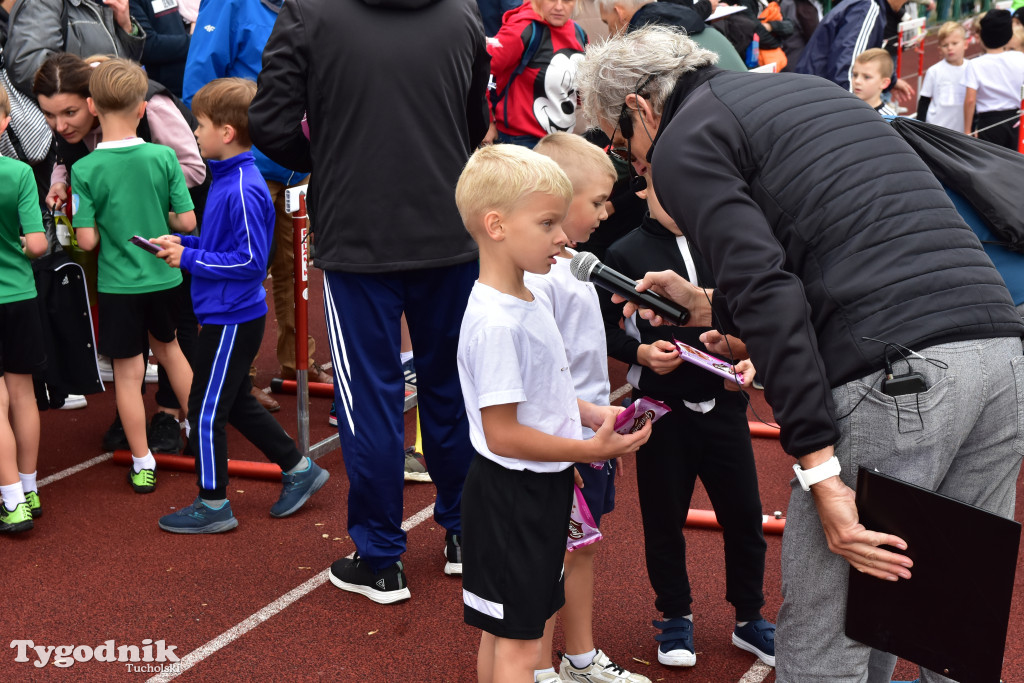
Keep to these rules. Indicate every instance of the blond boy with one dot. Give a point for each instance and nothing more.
(942, 94)
(129, 187)
(577, 311)
(525, 419)
(872, 73)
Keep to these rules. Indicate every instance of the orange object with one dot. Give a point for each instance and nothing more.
(764, 431)
(706, 519)
(290, 386)
(181, 463)
(772, 55)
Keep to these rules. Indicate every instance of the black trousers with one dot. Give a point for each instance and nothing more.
(221, 395)
(1003, 134)
(714, 446)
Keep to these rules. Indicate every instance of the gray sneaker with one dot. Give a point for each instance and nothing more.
(298, 488)
(415, 468)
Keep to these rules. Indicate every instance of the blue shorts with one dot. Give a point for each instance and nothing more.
(598, 488)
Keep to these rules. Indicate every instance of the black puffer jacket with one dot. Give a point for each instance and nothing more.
(822, 227)
(394, 91)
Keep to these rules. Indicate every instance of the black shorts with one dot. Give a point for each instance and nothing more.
(21, 338)
(127, 320)
(598, 488)
(514, 526)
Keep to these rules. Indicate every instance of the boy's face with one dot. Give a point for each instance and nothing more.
(554, 12)
(210, 139)
(868, 81)
(658, 212)
(587, 209)
(532, 231)
(952, 47)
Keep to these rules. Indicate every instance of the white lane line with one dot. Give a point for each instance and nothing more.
(57, 476)
(246, 625)
(619, 393)
(756, 673)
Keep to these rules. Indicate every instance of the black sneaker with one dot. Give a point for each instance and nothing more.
(115, 439)
(356, 576)
(165, 434)
(453, 554)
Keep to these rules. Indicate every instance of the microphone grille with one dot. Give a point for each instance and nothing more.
(582, 264)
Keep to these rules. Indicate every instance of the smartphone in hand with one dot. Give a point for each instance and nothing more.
(145, 244)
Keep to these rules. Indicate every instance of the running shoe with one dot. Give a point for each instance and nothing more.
(601, 670)
(17, 520)
(143, 481)
(32, 498)
(386, 586)
(675, 642)
(757, 637)
(199, 518)
(298, 487)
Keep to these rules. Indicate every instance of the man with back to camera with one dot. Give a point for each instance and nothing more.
(387, 142)
(830, 285)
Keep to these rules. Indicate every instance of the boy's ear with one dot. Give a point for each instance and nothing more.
(92, 106)
(493, 226)
(228, 134)
(141, 111)
(4, 122)
(886, 82)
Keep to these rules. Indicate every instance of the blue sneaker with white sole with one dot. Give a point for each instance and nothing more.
(675, 642)
(757, 637)
(298, 487)
(199, 518)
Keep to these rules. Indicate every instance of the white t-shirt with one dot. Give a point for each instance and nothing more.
(997, 78)
(943, 83)
(510, 351)
(577, 312)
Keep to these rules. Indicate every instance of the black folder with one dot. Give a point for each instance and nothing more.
(951, 616)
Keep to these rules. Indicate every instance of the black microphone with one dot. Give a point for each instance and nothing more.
(586, 267)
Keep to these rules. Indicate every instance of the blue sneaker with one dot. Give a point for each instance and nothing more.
(199, 518)
(298, 488)
(675, 646)
(332, 418)
(757, 637)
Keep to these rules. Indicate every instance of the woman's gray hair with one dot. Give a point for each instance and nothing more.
(629, 5)
(615, 68)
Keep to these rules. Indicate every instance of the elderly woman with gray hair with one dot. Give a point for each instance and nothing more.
(831, 244)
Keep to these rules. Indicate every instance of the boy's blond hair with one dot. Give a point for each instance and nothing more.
(877, 55)
(976, 24)
(947, 29)
(225, 102)
(117, 85)
(497, 177)
(580, 159)
(5, 104)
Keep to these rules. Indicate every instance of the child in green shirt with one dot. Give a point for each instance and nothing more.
(21, 338)
(129, 187)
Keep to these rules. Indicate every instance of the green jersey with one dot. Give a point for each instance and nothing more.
(126, 188)
(19, 213)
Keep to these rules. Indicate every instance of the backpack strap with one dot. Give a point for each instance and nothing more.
(64, 25)
(532, 45)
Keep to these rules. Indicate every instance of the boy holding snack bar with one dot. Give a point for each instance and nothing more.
(525, 419)
(705, 435)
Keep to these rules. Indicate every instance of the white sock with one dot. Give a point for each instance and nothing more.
(301, 467)
(741, 624)
(12, 495)
(406, 357)
(186, 426)
(538, 672)
(582, 661)
(28, 482)
(147, 462)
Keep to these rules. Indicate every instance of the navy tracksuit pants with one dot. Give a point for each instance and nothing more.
(364, 314)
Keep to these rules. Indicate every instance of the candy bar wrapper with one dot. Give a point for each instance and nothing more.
(636, 415)
(582, 527)
(708, 362)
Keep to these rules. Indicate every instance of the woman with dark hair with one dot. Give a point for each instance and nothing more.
(62, 87)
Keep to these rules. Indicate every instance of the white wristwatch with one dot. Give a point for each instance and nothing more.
(807, 478)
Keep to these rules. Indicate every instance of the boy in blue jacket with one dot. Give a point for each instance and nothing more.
(228, 264)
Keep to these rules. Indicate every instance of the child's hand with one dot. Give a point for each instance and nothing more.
(172, 249)
(661, 356)
(607, 444)
(593, 416)
(744, 368)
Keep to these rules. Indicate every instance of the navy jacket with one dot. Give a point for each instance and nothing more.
(166, 46)
(850, 28)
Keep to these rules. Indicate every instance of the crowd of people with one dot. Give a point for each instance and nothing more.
(454, 230)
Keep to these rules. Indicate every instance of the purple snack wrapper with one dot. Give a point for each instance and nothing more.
(582, 527)
(708, 362)
(634, 417)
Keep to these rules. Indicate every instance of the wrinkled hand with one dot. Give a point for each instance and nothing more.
(904, 92)
(724, 345)
(674, 287)
(172, 249)
(661, 356)
(849, 538)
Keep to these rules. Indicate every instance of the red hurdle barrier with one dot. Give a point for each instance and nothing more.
(183, 463)
(706, 519)
(763, 431)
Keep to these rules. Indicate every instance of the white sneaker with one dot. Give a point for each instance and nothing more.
(550, 676)
(601, 670)
(74, 402)
(106, 369)
(151, 376)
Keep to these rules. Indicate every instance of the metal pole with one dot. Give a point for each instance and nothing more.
(300, 224)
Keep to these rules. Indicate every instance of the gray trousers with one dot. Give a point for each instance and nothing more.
(963, 437)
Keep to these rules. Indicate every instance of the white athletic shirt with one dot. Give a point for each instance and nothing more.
(997, 78)
(577, 312)
(943, 83)
(510, 351)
